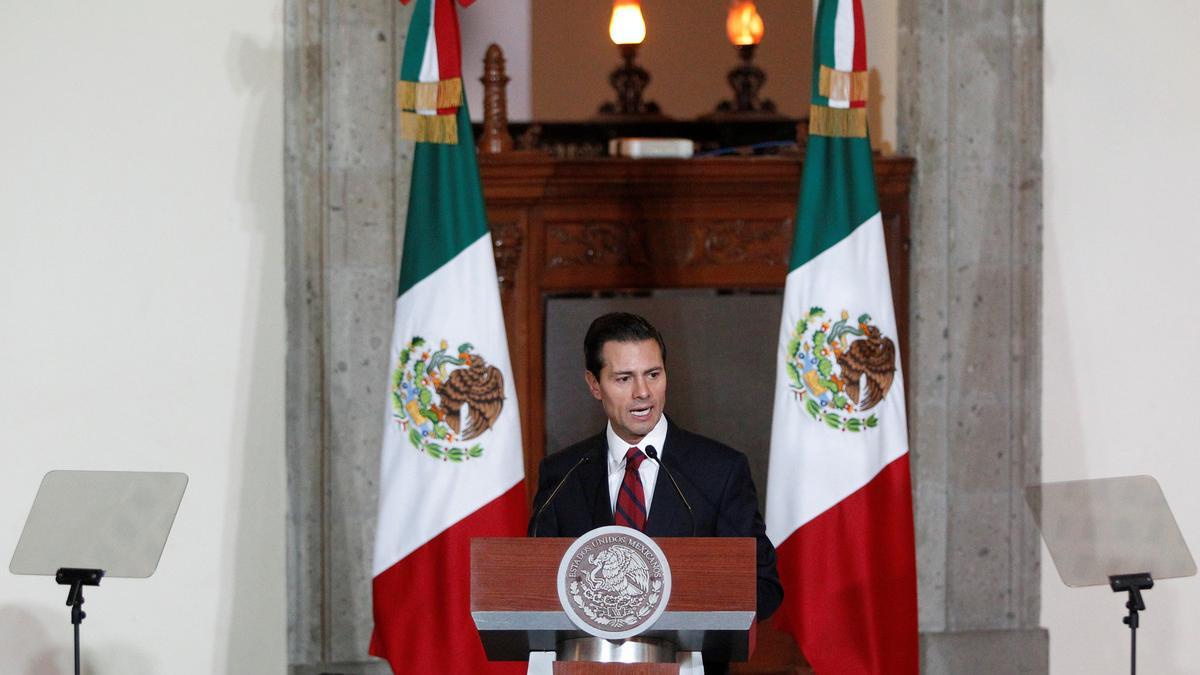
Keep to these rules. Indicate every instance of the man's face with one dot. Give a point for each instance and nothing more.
(632, 387)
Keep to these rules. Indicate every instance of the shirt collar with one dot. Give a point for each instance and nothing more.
(617, 446)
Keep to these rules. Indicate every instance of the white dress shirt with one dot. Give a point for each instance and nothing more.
(648, 471)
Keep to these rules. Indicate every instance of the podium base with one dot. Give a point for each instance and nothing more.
(632, 650)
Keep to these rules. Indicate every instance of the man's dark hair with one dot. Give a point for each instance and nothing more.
(617, 327)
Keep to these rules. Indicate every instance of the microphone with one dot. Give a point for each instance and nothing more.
(653, 454)
(553, 493)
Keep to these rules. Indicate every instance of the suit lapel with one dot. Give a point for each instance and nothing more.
(594, 476)
(668, 516)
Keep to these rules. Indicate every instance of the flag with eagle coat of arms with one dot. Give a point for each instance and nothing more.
(839, 502)
(451, 465)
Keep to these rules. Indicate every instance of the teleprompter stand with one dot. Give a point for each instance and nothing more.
(77, 578)
(1134, 584)
(85, 525)
(1117, 532)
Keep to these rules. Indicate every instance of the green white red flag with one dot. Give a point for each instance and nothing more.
(451, 464)
(839, 501)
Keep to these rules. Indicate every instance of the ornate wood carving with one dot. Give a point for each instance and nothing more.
(743, 241)
(678, 243)
(507, 241)
(599, 244)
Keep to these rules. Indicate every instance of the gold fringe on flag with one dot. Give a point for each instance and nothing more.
(429, 95)
(429, 128)
(842, 85)
(848, 122)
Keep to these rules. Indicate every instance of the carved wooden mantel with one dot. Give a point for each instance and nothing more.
(571, 226)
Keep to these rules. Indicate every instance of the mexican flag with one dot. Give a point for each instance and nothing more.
(839, 505)
(451, 466)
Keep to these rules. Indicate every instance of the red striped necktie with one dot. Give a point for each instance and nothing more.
(631, 499)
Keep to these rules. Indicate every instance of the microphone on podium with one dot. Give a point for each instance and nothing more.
(553, 493)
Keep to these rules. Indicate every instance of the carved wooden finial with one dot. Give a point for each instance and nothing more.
(495, 137)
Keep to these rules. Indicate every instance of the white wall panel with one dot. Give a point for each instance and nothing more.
(141, 317)
(1122, 317)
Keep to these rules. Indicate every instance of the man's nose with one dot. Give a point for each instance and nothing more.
(640, 390)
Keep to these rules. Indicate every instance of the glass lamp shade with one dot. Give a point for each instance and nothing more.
(744, 25)
(627, 26)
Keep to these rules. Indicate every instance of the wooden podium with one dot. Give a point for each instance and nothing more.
(515, 605)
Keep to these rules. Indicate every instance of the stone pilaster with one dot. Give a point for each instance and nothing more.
(970, 112)
(347, 180)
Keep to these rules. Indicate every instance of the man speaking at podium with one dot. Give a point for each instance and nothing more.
(614, 478)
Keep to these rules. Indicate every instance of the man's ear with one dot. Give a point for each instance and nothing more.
(592, 383)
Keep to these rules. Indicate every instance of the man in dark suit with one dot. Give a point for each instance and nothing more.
(626, 372)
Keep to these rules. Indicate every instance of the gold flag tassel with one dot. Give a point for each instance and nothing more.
(848, 122)
(429, 95)
(843, 85)
(429, 128)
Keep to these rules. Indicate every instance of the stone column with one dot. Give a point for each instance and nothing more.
(970, 111)
(347, 187)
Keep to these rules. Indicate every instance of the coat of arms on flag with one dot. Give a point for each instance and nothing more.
(840, 370)
(432, 389)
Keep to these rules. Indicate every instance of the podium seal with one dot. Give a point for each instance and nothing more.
(614, 582)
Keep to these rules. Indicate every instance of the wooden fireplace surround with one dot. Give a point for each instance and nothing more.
(569, 226)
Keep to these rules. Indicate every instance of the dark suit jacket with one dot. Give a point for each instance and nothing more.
(714, 477)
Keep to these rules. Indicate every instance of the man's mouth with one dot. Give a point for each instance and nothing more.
(641, 413)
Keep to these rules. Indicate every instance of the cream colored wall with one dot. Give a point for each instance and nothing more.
(142, 320)
(1122, 319)
(882, 52)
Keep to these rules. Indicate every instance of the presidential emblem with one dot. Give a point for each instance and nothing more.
(838, 370)
(443, 400)
(614, 582)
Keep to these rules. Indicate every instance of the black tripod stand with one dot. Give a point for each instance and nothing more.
(77, 578)
(1134, 584)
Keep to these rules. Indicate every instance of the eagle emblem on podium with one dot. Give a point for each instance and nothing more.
(614, 582)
